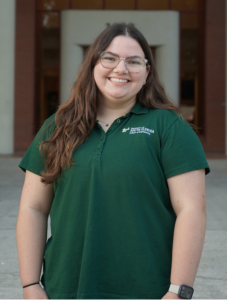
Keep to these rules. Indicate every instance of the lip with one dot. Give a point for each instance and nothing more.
(117, 77)
(119, 83)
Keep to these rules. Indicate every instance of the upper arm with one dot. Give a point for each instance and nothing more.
(187, 190)
(36, 194)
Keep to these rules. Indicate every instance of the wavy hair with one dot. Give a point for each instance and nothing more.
(75, 119)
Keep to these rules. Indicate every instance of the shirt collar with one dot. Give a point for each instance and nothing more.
(139, 109)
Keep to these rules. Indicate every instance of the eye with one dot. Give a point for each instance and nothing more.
(134, 61)
(109, 58)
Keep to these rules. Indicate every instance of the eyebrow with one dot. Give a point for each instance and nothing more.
(132, 56)
(112, 53)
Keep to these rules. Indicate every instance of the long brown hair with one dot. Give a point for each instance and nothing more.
(76, 118)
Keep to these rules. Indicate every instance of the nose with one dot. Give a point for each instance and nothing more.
(121, 67)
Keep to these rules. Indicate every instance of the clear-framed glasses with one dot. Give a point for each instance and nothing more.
(134, 64)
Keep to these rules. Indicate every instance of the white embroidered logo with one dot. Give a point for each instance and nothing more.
(125, 129)
(141, 130)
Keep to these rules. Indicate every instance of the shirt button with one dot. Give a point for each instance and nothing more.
(99, 147)
(102, 138)
(118, 121)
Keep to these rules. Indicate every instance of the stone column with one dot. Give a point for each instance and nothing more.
(71, 58)
(167, 57)
(226, 77)
(7, 38)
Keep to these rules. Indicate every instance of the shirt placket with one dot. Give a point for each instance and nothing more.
(104, 135)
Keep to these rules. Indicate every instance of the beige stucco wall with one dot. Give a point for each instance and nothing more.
(7, 42)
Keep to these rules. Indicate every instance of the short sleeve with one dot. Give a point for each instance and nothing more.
(181, 150)
(33, 161)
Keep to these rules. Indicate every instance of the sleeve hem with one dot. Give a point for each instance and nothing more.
(186, 169)
(30, 169)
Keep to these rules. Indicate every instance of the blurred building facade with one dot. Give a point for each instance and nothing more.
(42, 43)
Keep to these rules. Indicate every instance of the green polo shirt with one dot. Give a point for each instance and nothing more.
(112, 221)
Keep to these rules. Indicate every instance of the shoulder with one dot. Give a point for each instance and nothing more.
(165, 120)
(167, 115)
(47, 128)
(50, 121)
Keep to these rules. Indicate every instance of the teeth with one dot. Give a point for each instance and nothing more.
(118, 80)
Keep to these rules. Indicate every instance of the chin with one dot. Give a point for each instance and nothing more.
(116, 96)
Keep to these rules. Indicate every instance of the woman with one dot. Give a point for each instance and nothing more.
(123, 178)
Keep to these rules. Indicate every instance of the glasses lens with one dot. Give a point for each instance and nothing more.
(109, 60)
(134, 64)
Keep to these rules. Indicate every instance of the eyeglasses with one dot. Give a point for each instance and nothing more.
(134, 64)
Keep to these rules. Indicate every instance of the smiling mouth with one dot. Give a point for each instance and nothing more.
(118, 80)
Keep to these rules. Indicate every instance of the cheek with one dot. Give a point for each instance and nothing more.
(139, 78)
(96, 74)
(99, 73)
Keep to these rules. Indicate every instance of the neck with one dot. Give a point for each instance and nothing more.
(110, 111)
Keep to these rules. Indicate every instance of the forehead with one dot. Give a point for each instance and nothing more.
(125, 46)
